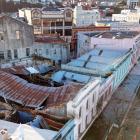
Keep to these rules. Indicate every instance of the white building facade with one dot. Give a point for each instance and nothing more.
(83, 17)
(127, 16)
(132, 3)
(117, 39)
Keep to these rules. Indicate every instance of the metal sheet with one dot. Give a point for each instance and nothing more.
(20, 91)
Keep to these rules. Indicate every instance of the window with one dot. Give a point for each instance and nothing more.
(80, 112)
(68, 32)
(105, 95)
(93, 98)
(68, 14)
(36, 14)
(35, 51)
(40, 52)
(87, 105)
(17, 34)
(55, 51)
(59, 23)
(68, 23)
(27, 51)
(53, 24)
(2, 38)
(92, 111)
(79, 128)
(47, 51)
(86, 121)
(110, 90)
(60, 32)
(1, 55)
(15, 53)
(9, 54)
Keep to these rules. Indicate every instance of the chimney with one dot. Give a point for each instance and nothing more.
(4, 134)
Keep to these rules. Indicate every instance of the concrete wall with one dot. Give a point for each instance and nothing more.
(121, 71)
(84, 106)
(56, 52)
(85, 17)
(85, 43)
(15, 35)
(130, 17)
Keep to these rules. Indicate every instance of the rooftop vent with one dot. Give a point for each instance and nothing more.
(87, 60)
(101, 51)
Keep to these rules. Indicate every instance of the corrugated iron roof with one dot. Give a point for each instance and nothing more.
(99, 61)
(20, 91)
(61, 95)
(17, 70)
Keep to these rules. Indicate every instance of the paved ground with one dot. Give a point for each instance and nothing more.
(131, 128)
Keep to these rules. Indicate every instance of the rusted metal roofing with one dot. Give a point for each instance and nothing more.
(20, 91)
(61, 95)
(17, 70)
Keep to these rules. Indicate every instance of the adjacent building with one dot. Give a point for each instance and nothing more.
(132, 3)
(75, 31)
(85, 17)
(16, 39)
(107, 39)
(53, 48)
(119, 26)
(127, 16)
(28, 1)
(101, 71)
(50, 20)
